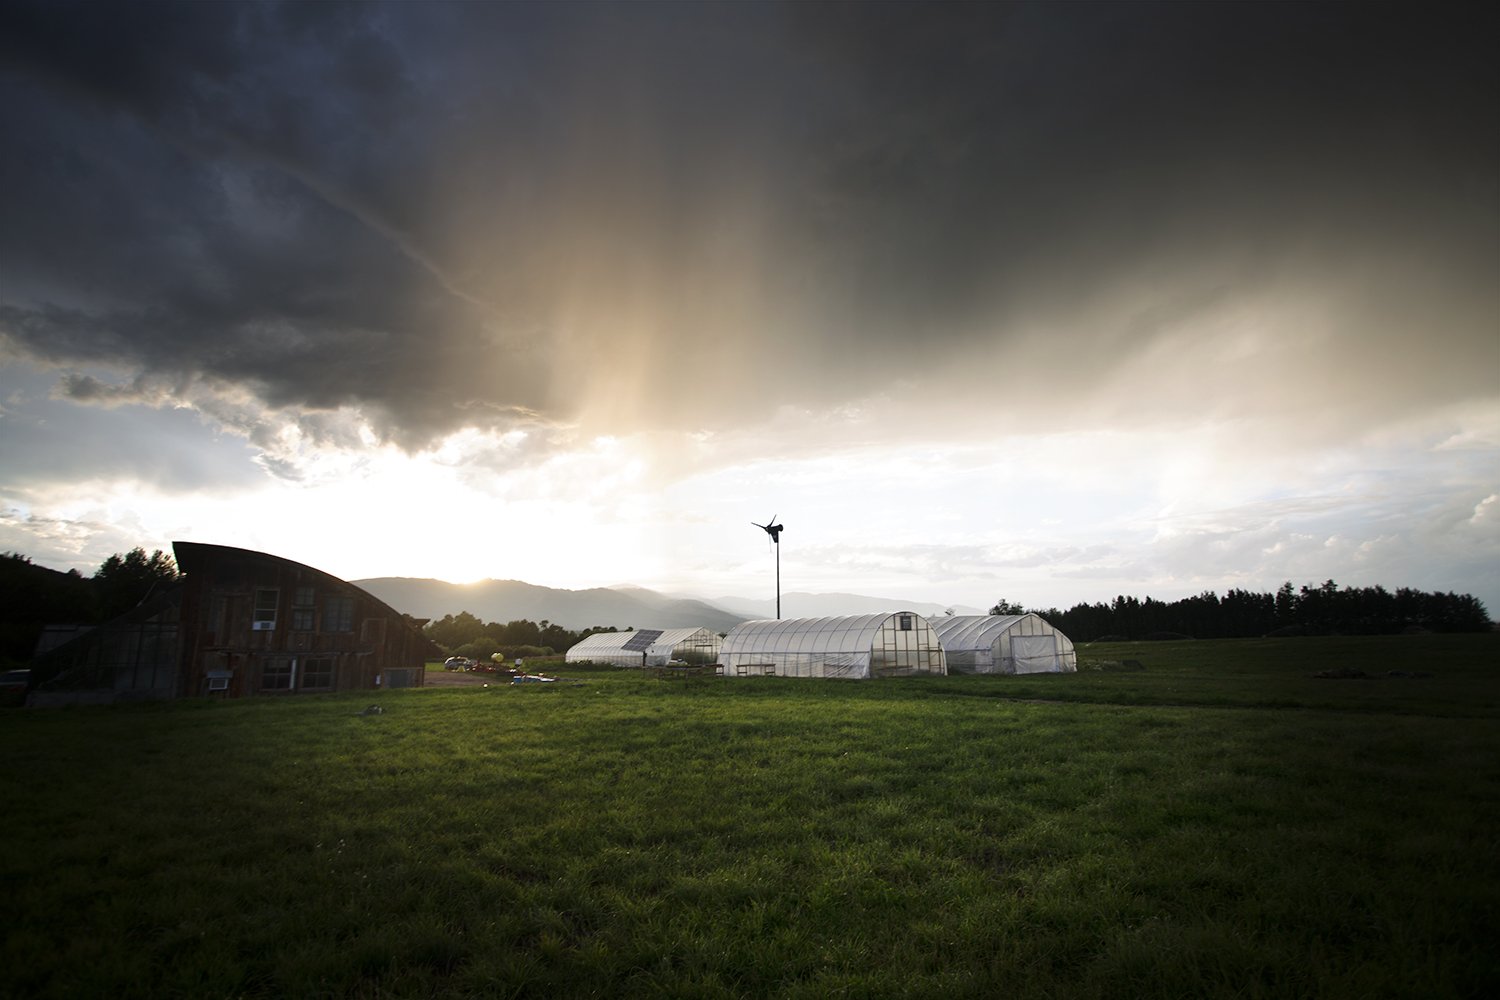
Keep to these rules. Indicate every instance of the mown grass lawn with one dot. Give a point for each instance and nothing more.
(1217, 823)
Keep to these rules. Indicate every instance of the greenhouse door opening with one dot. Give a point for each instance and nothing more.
(902, 648)
(1035, 654)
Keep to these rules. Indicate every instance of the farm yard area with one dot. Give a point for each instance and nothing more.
(1176, 819)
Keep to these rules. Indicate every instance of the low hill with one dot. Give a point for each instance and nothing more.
(623, 606)
(798, 604)
(510, 600)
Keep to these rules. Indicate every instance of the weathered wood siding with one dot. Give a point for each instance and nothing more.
(255, 624)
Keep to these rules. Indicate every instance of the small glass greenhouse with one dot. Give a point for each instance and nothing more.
(647, 647)
(1004, 644)
(858, 646)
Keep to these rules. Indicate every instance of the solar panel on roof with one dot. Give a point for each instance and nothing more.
(642, 640)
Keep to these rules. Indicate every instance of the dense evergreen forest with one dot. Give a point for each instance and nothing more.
(1321, 610)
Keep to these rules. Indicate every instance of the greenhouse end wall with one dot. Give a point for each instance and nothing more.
(1014, 644)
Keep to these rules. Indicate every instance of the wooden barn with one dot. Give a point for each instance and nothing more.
(238, 624)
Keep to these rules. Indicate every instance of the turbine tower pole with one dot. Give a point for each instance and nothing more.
(774, 530)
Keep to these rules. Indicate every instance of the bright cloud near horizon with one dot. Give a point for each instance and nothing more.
(1045, 302)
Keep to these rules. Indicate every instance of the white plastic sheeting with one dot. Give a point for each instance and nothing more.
(691, 645)
(1004, 644)
(857, 646)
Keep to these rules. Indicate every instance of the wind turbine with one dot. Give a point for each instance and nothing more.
(774, 530)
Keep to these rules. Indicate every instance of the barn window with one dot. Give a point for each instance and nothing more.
(906, 623)
(276, 675)
(304, 615)
(217, 606)
(264, 616)
(317, 672)
(338, 614)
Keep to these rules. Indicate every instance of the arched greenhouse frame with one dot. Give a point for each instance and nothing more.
(897, 644)
(1005, 644)
(647, 647)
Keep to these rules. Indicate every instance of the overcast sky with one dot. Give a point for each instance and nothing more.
(1045, 302)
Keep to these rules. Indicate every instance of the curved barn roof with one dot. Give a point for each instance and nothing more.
(194, 556)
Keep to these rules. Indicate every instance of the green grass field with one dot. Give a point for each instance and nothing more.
(1218, 823)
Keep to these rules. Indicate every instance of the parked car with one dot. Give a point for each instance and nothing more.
(459, 663)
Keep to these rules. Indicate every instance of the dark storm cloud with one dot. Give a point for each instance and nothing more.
(1176, 158)
(205, 191)
(490, 214)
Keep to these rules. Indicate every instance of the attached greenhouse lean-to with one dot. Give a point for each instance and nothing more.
(858, 646)
(647, 647)
(1004, 644)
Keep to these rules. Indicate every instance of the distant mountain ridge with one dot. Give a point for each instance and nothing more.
(624, 606)
(510, 600)
(799, 604)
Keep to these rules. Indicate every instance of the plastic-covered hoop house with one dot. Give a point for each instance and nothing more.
(647, 647)
(858, 646)
(1004, 644)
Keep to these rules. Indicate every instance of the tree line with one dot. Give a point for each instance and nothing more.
(465, 634)
(1326, 609)
(36, 596)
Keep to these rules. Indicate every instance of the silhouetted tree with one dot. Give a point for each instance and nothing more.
(478, 649)
(1286, 606)
(452, 631)
(521, 633)
(465, 635)
(124, 581)
(558, 637)
(36, 596)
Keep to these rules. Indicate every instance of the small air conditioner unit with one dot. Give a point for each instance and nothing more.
(262, 626)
